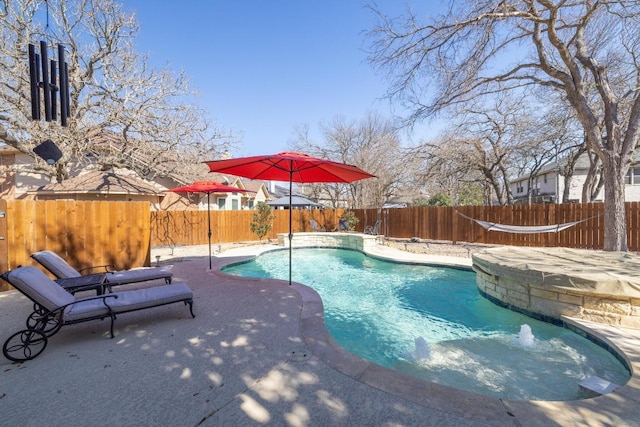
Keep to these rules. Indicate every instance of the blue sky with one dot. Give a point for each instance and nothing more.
(264, 67)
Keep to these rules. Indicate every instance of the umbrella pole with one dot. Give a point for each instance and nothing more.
(290, 221)
(209, 224)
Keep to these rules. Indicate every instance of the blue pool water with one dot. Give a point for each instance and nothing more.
(431, 323)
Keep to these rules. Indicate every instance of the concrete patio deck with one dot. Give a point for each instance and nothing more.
(257, 353)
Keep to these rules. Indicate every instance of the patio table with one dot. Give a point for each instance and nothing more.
(96, 281)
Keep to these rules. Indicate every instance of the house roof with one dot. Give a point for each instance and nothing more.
(251, 185)
(296, 201)
(279, 191)
(114, 181)
(266, 187)
(8, 149)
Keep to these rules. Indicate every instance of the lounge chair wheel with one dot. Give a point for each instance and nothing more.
(24, 345)
(45, 322)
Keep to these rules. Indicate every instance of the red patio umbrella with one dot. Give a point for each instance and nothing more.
(292, 167)
(208, 187)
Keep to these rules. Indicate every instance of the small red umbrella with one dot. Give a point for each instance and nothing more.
(292, 167)
(208, 187)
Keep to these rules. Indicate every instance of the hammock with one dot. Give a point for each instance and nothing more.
(524, 229)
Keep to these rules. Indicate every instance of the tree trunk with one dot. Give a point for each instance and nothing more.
(598, 187)
(615, 224)
(566, 190)
(591, 178)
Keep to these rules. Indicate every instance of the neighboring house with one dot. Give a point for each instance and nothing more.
(19, 174)
(274, 190)
(548, 183)
(224, 201)
(392, 205)
(295, 202)
(112, 185)
(20, 178)
(258, 192)
(7, 171)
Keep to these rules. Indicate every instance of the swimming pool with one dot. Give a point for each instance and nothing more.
(431, 323)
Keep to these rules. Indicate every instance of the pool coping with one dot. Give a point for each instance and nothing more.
(619, 406)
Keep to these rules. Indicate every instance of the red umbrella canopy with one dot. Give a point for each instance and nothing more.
(207, 187)
(292, 167)
(287, 166)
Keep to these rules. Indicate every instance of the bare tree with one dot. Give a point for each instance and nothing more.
(493, 142)
(452, 162)
(449, 165)
(587, 50)
(112, 87)
(371, 144)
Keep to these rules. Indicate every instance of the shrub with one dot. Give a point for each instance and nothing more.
(262, 220)
(351, 218)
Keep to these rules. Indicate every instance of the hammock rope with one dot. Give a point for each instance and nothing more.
(524, 229)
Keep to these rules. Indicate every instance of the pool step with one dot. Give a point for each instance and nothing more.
(597, 386)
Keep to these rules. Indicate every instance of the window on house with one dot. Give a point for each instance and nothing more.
(222, 203)
(545, 178)
(250, 204)
(633, 176)
(234, 204)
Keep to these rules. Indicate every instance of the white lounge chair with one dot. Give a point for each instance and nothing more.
(62, 270)
(54, 308)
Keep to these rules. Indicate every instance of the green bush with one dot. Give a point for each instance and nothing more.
(351, 218)
(440, 199)
(262, 220)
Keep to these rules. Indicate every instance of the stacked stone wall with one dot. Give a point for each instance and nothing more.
(556, 302)
(359, 242)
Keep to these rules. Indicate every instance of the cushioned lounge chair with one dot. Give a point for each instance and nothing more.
(54, 308)
(62, 270)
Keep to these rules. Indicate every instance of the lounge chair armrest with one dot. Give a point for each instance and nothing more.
(103, 297)
(106, 267)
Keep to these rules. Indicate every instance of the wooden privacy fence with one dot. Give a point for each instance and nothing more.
(444, 223)
(89, 233)
(190, 227)
(84, 233)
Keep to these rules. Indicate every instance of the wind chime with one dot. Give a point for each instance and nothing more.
(49, 81)
(42, 77)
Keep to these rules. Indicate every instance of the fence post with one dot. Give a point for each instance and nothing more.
(454, 217)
